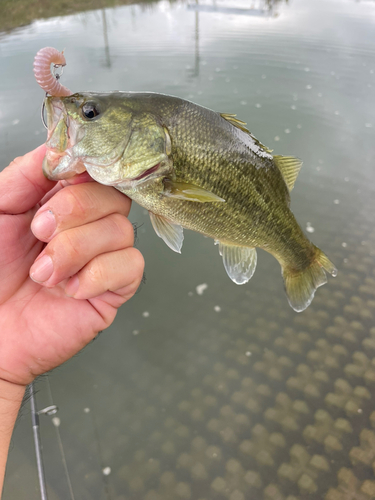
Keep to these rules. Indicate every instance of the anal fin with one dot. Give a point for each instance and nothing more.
(172, 234)
(239, 262)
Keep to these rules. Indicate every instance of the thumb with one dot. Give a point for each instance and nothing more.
(22, 184)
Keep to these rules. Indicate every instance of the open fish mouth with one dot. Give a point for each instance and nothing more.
(60, 161)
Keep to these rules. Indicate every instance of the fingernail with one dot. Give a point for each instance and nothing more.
(44, 225)
(72, 286)
(42, 269)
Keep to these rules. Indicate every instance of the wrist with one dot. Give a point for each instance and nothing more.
(11, 396)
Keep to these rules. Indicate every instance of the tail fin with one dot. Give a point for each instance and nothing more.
(300, 286)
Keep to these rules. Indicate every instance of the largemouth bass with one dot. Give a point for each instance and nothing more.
(192, 168)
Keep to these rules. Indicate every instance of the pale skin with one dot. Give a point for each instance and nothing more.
(67, 263)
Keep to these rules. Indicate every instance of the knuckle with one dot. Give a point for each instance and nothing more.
(122, 228)
(66, 245)
(137, 264)
(96, 272)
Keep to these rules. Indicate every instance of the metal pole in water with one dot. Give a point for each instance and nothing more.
(37, 443)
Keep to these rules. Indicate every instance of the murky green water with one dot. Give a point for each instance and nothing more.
(227, 394)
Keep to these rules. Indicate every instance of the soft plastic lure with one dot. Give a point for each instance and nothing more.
(43, 74)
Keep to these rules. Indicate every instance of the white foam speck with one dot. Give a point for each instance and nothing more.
(287, 131)
(248, 353)
(343, 244)
(106, 471)
(15, 122)
(309, 228)
(277, 138)
(243, 103)
(86, 410)
(217, 309)
(201, 288)
(258, 105)
(56, 421)
(135, 332)
(336, 202)
(368, 125)
(145, 314)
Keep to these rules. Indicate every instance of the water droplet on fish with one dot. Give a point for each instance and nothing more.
(201, 288)
(145, 314)
(309, 228)
(217, 308)
(56, 421)
(106, 471)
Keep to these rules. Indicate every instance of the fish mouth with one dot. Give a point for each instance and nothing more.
(60, 161)
(145, 174)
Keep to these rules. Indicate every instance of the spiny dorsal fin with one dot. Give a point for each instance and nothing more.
(242, 126)
(235, 121)
(289, 166)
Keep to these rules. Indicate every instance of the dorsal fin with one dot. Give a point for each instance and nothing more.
(289, 166)
(235, 121)
(242, 126)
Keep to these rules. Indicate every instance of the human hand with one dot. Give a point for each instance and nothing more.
(78, 242)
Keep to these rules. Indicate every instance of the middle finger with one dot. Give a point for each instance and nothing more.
(76, 205)
(72, 249)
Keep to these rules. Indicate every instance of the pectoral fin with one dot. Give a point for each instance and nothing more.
(239, 262)
(188, 192)
(172, 234)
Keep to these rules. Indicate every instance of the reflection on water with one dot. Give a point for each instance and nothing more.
(203, 389)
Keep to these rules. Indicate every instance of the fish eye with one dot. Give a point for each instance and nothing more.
(90, 110)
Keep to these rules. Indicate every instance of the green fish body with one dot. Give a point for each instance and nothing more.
(193, 168)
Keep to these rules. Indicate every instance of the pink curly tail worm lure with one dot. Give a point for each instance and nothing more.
(42, 71)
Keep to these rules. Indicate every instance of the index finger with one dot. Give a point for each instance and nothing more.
(76, 205)
(22, 184)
